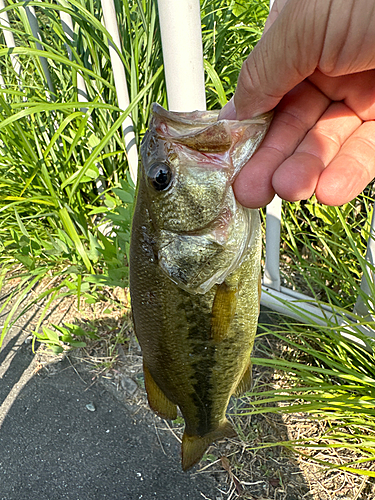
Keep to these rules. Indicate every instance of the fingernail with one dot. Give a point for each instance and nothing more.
(229, 111)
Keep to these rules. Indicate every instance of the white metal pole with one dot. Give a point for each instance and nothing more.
(67, 25)
(181, 35)
(9, 38)
(110, 20)
(271, 277)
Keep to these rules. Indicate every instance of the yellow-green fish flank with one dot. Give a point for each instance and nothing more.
(194, 270)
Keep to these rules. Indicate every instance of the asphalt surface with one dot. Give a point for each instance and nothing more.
(53, 447)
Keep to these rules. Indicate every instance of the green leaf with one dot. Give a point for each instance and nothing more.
(26, 260)
(56, 349)
(67, 338)
(76, 343)
(21, 225)
(109, 201)
(124, 196)
(52, 335)
(214, 77)
(70, 229)
(93, 141)
(90, 299)
(94, 252)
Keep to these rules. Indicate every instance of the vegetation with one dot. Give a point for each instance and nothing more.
(66, 199)
(63, 167)
(330, 367)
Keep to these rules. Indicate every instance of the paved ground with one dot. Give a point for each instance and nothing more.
(52, 447)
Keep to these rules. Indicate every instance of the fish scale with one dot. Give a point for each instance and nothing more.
(194, 270)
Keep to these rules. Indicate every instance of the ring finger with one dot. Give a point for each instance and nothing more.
(297, 176)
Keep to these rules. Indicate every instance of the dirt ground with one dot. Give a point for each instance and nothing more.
(238, 468)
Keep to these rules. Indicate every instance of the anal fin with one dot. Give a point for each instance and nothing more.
(246, 381)
(157, 400)
(193, 447)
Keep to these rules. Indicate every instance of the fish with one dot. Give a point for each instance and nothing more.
(194, 269)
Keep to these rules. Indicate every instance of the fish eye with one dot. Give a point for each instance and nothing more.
(160, 176)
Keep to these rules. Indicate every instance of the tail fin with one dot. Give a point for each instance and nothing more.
(193, 447)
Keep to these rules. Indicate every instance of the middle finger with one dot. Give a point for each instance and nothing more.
(315, 152)
(296, 114)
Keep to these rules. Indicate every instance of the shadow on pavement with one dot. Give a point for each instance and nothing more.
(52, 447)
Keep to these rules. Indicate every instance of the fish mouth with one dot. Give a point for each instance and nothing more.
(196, 261)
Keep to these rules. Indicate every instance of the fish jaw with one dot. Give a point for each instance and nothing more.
(197, 262)
(201, 132)
(201, 165)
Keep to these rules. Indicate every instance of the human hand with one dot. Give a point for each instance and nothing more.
(316, 64)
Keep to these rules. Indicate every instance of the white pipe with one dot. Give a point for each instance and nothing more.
(271, 276)
(9, 38)
(298, 306)
(181, 35)
(110, 20)
(302, 308)
(67, 26)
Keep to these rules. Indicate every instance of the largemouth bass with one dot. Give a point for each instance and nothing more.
(195, 270)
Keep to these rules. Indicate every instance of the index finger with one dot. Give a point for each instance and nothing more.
(294, 117)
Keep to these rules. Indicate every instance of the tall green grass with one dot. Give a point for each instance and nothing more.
(327, 370)
(56, 152)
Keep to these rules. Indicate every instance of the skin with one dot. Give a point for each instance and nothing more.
(315, 64)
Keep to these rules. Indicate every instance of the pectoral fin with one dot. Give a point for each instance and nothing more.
(223, 310)
(246, 382)
(193, 447)
(157, 400)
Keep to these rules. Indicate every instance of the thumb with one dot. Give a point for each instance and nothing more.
(228, 112)
(274, 13)
(286, 54)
